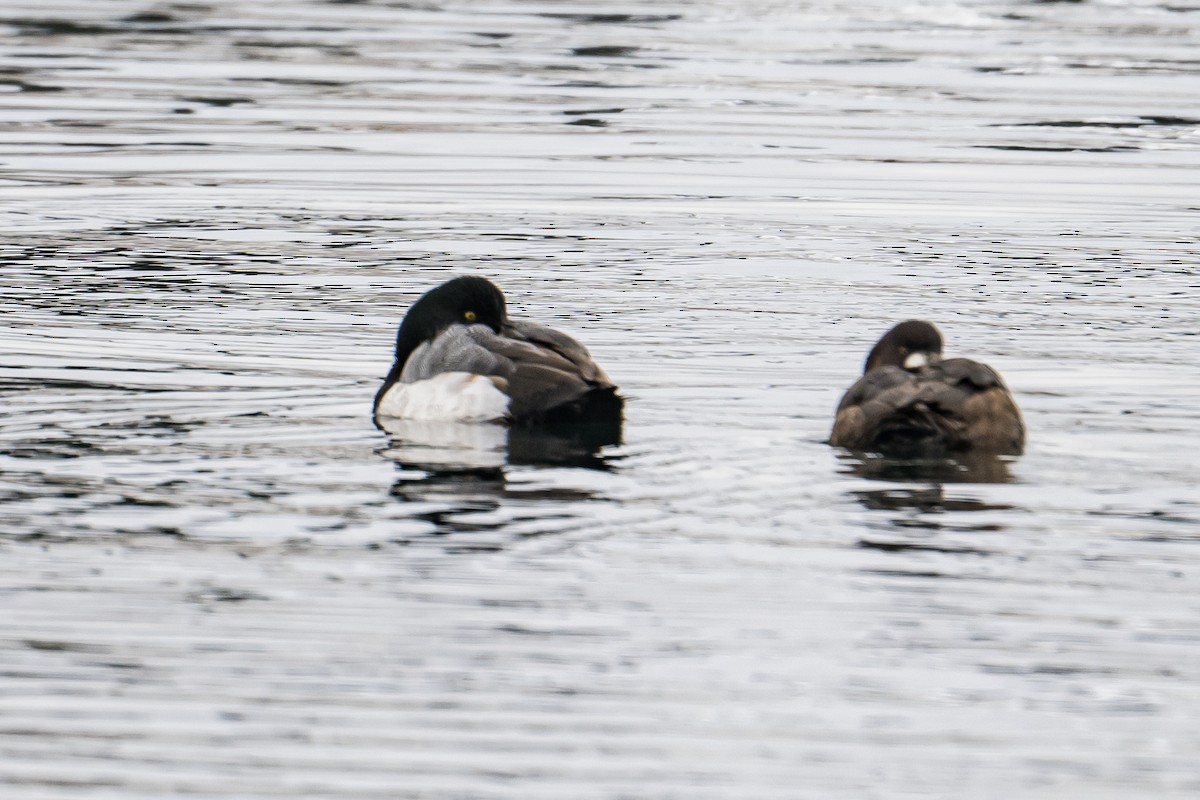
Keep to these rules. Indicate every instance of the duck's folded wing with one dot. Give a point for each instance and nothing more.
(873, 384)
(868, 403)
(541, 368)
(548, 369)
(975, 394)
(459, 348)
(962, 371)
(562, 345)
(972, 387)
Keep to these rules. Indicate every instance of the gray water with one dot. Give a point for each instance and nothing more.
(218, 579)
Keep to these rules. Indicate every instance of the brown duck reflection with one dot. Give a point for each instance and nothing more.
(924, 503)
(959, 468)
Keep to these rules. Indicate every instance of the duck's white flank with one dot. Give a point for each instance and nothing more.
(449, 396)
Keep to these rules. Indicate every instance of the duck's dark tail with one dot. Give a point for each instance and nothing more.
(596, 417)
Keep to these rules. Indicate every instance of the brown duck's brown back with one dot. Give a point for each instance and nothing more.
(956, 405)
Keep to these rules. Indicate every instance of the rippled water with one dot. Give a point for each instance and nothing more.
(219, 579)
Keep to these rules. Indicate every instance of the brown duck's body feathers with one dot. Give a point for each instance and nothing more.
(937, 407)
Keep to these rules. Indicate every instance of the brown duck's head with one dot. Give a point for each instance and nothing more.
(910, 345)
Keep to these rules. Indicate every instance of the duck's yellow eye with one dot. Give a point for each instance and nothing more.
(469, 316)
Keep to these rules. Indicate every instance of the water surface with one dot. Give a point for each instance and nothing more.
(219, 579)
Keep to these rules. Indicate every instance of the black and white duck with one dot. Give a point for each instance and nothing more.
(460, 358)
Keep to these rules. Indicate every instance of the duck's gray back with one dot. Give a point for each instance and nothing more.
(542, 368)
(565, 347)
(459, 348)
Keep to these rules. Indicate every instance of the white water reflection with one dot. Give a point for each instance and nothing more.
(447, 444)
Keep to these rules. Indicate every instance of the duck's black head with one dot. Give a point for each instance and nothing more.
(910, 345)
(461, 301)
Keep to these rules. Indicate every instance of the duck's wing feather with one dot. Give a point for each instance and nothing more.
(975, 394)
(872, 399)
(564, 347)
(966, 373)
(540, 368)
(994, 422)
(550, 369)
(459, 348)
(957, 404)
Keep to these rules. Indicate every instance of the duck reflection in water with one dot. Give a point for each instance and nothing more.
(948, 468)
(461, 470)
(921, 488)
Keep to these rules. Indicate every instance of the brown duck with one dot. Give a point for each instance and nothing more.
(912, 403)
